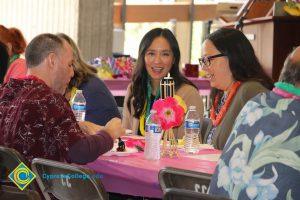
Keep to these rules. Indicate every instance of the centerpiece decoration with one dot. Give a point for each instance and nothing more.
(292, 7)
(170, 111)
(111, 67)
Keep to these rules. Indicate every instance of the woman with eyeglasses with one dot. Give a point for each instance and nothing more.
(159, 55)
(235, 76)
(267, 158)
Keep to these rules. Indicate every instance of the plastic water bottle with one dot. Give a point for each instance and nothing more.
(79, 106)
(192, 131)
(153, 134)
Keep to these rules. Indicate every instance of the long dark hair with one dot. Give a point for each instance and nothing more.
(139, 78)
(243, 63)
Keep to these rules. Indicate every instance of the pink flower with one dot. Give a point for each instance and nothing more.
(169, 112)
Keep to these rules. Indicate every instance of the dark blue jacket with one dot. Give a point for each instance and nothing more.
(101, 106)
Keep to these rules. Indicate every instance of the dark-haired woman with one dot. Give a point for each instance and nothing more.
(159, 55)
(235, 77)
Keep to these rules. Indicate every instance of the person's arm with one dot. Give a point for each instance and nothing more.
(74, 144)
(89, 127)
(90, 147)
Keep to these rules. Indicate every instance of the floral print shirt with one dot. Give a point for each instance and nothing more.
(36, 121)
(261, 159)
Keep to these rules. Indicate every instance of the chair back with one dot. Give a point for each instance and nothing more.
(9, 160)
(206, 126)
(170, 177)
(182, 194)
(65, 181)
(13, 193)
(120, 110)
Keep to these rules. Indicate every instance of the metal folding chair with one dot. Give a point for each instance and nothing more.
(9, 160)
(170, 177)
(13, 193)
(65, 181)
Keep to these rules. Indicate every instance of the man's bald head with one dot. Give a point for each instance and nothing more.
(295, 55)
(39, 48)
(290, 72)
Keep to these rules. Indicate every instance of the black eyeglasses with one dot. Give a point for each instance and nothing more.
(205, 60)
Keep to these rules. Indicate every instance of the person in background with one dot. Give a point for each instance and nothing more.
(3, 61)
(261, 159)
(35, 117)
(235, 76)
(159, 55)
(16, 44)
(101, 106)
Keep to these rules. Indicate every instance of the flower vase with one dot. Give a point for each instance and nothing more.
(169, 146)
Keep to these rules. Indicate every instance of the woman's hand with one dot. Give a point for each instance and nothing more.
(89, 127)
(114, 128)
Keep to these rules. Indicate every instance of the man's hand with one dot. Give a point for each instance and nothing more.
(114, 128)
(89, 127)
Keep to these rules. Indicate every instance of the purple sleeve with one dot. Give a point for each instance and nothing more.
(90, 148)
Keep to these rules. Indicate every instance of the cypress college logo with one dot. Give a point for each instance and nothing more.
(22, 176)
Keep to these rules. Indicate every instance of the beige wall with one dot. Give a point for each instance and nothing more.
(88, 22)
(34, 17)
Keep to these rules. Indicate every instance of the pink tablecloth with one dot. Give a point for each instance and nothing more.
(118, 86)
(133, 175)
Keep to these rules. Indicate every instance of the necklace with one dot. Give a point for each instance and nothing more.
(73, 92)
(13, 58)
(147, 106)
(287, 90)
(218, 118)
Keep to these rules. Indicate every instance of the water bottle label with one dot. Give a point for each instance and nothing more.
(192, 124)
(78, 107)
(153, 128)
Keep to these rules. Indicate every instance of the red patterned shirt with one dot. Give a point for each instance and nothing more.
(36, 121)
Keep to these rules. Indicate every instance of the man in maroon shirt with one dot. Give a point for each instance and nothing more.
(35, 117)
